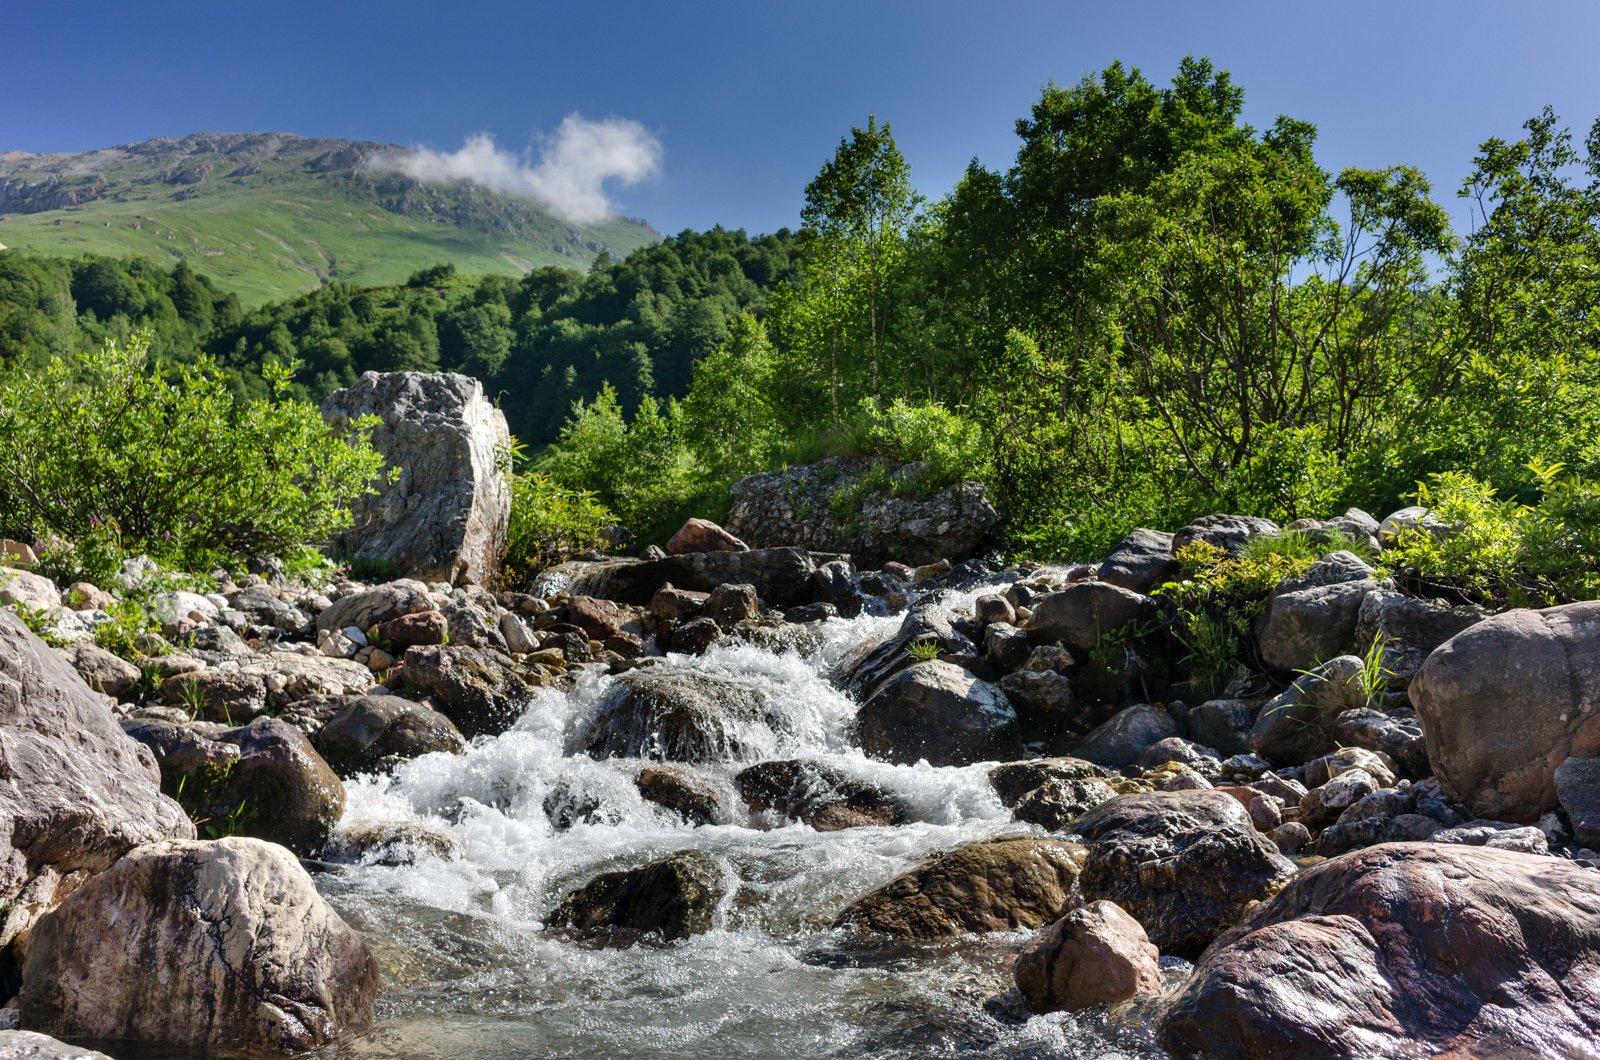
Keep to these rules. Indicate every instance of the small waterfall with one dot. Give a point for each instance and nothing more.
(471, 972)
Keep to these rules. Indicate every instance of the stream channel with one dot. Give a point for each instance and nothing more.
(470, 971)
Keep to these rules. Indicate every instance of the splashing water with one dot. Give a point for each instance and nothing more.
(469, 971)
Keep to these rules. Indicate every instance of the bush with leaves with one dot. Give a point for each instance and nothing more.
(549, 523)
(167, 459)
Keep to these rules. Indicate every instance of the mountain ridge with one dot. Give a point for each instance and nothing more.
(272, 214)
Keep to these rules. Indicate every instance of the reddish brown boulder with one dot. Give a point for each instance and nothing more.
(1404, 949)
(1504, 702)
(702, 535)
(598, 619)
(676, 605)
(1096, 955)
(408, 631)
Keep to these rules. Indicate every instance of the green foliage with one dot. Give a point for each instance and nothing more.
(168, 463)
(1498, 551)
(925, 650)
(549, 523)
(129, 620)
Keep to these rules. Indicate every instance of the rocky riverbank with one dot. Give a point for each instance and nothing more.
(1009, 780)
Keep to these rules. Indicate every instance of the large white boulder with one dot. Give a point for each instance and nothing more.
(445, 517)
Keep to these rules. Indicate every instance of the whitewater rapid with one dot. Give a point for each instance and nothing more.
(469, 969)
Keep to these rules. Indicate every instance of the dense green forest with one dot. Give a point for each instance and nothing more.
(1156, 311)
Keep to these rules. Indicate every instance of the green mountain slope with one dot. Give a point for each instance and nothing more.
(270, 215)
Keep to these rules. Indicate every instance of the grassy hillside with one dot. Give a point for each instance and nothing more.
(270, 215)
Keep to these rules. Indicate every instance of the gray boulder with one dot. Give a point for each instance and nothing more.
(1411, 518)
(481, 690)
(1578, 787)
(1410, 628)
(444, 518)
(27, 1045)
(1121, 740)
(1394, 732)
(382, 603)
(78, 792)
(100, 670)
(375, 731)
(682, 716)
(781, 577)
(1504, 702)
(794, 506)
(674, 898)
(926, 622)
(198, 946)
(1221, 723)
(1228, 532)
(1080, 615)
(938, 711)
(1142, 561)
(1313, 616)
(1297, 726)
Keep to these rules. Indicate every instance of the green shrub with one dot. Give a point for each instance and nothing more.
(1500, 552)
(548, 523)
(170, 462)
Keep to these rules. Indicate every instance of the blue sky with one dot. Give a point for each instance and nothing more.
(748, 99)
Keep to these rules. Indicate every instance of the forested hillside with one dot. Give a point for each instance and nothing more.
(268, 215)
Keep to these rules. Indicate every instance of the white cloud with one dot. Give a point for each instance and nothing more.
(574, 165)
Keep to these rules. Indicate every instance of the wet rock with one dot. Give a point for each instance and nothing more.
(199, 946)
(819, 795)
(674, 898)
(1506, 701)
(1142, 561)
(1401, 949)
(807, 613)
(481, 690)
(682, 716)
(1410, 629)
(676, 605)
(1223, 724)
(368, 608)
(1185, 864)
(777, 636)
(832, 585)
(1186, 753)
(100, 670)
(702, 535)
(280, 789)
(1578, 787)
(1081, 614)
(393, 843)
(686, 795)
(598, 619)
(375, 731)
(1005, 647)
(422, 627)
(1096, 955)
(781, 576)
(694, 637)
(939, 712)
(1055, 804)
(794, 505)
(1120, 741)
(1290, 837)
(992, 607)
(1002, 884)
(1012, 780)
(473, 624)
(1296, 726)
(444, 518)
(231, 698)
(925, 623)
(1228, 532)
(78, 791)
(731, 603)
